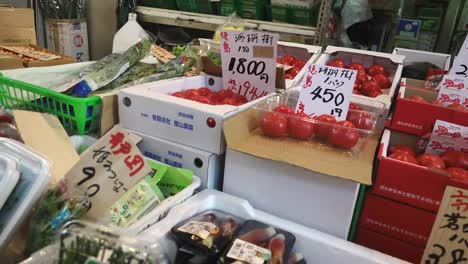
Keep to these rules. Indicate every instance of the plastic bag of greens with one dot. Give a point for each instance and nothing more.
(233, 22)
(113, 69)
(136, 72)
(100, 64)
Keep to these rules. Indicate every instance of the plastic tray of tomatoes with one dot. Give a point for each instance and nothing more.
(276, 118)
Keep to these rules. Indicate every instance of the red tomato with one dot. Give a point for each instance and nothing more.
(356, 91)
(456, 106)
(322, 129)
(361, 77)
(336, 63)
(431, 161)
(383, 81)
(455, 159)
(374, 93)
(178, 94)
(204, 91)
(344, 136)
(402, 148)
(288, 76)
(417, 98)
(357, 66)
(376, 69)
(274, 124)
(228, 101)
(300, 128)
(190, 92)
(214, 98)
(355, 106)
(225, 94)
(458, 174)
(361, 120)
(405, 157)
(240, 99)
(279, 60)
(438, 103)
(369, 86)
(294, 71)
(289, 60)
(357, 86)
(299, 64)
(203, 100)
(284, 109)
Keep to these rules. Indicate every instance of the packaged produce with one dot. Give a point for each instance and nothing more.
(233, 22)
(100, 64)
(294, 65)
(206, 96)
(137, 71)
(208, 233)
(9, 177)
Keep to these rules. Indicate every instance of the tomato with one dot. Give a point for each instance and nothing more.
(225, 94)
(355, 106)
(288, 76)
(456, 106)
(294, 71)
(299, 64)
(458, 174)
(361, 77)
(240, 99)
(431, 161)
(344, 135)
(356, 91)
(279, 60)
(228, 101)
(357, 66)
(178, 94)
(402, 148)
(289, 60)
(361, 120)
(405, 157)
(376, 69)
(300, 128)
(356, 86)
(274, 124)
(455, 159)
(214, 98)
(368, 86)
(383, 81)
(417, 98)
(325, 124)
(336, 63)
(204, 91)
(203, 100)
(284, 109)
(374, 93)
(190, 92)
(438, 103)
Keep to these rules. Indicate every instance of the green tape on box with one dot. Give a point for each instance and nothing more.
(175, 180)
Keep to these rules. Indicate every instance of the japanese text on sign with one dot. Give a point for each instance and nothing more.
(448, 242)
(107, 170)
(326, 90)
(249, 62)
(453, 90)
(460, 64)
(447, 137)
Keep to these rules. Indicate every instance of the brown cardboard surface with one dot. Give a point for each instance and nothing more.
(263, 52)
(45, 134)
(63, 60)
(7, 63)
(110, 112)
(17, 26)
(242, 135)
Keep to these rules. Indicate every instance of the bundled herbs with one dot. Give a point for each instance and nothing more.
(63, 9)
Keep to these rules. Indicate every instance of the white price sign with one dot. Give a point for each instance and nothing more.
(460, 64)
(249, 62)
(326, 90)
(452, 90)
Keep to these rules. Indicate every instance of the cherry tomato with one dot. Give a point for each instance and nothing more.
(438, 103)
(456, 106)
(178, 94)
(357, 66)
(225, 94)
(405, 157)
(344, 135)
(300, 128)
(336, 63)
(361, 77)
(214, 98)
(190, 92)
(203, 100)
(383, 81)
(322, 129)
(402, 148)
(284, 109)
(288, 76)
(361, 120)
(274, 124)
(299, 64)
(417, 98)
(294, 71)
(204, 91)
(228, 101)
(458, 174)
(431, 161)
(455, 159)
(289, 60)
(376, 69)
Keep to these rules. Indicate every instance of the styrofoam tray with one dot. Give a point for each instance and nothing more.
(34, 176)
(9, 177)
(316, 246)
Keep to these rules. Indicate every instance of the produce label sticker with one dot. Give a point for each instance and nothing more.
(105, 171)
(460, 64)
(448, 242)
(453, 89)
(200, 229)
(326, 90)
(248, 252)
(249, 62)
(447, 136)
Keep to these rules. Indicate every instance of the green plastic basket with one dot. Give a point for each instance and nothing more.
(166, 4)
(249, 9)
(77, 115)
(296, 15)
(198, 6)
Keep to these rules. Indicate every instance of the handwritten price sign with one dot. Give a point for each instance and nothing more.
(460, 64)
(447, 136)
(326, 90)
(249, 62)
(453, 89)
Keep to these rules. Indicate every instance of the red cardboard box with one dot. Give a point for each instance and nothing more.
(418, 118)
(397, 220)
(409, 183)
(388, 245)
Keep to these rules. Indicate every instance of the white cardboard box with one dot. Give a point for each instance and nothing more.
(149, 109)
(68, 37)
(412, 56)
(208, 166)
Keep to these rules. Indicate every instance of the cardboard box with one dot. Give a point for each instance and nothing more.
(418, 118)
(17, 26)
(7, 63)
(149, 109)
(69, 37)
(280, 177)
(13, 62)
(408, 183)
(208, 166)
(397, 220)
(392, 63)
(412, 56)
(388, 245)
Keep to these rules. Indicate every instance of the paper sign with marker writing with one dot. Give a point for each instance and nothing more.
(326, 90)
(106, 170)
(447, 136)
(448, 242)
(460, 64)
(452, 90)
(249, 62)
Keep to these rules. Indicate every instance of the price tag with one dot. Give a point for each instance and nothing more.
(105, 171)
(447, 136)
(249, 62)
(448, 242)
(326, 90)
(453, 89)
(460, 64)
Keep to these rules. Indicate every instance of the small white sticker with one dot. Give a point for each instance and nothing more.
(248, 252)
(200, 229)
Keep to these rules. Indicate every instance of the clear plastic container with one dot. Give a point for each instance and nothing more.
(318, 131)
(9, 177)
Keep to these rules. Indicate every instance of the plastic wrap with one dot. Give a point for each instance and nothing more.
(233, 22)
(63, 9)
(100, 64)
